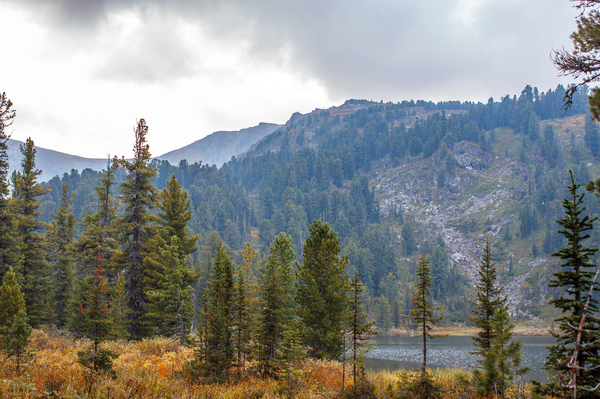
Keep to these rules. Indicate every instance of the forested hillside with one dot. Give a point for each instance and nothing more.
(394, 181)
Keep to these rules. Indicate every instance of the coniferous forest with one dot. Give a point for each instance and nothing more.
(283, 262)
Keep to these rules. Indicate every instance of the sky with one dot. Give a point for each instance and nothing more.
(82, 72)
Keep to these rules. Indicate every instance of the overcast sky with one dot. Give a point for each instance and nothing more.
(81, 72)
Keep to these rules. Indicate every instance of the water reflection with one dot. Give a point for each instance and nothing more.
(393, 353)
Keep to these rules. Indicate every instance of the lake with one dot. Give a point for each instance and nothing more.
(395, 353)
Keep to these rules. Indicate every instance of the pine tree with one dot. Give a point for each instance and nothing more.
(277, 307)
(575, 278)
(423, 312)
(169, 281)
(214, 356)
(60, 235)
(33, 272)
(242, 324)
(321, 291)
(139, 196)
(93, 320)
(8, 254)
(488, 299)
(14, 329)
(359, 329)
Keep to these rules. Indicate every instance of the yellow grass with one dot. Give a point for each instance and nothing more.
(154, 369)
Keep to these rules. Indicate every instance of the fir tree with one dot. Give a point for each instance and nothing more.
(169, 281)
(575, 277)
(8, 254)
(321, 291)
(488, 299)
(33, 272)
(139, 196)
(14, 329)
(277, 308)
(423, 312)
(60, 235)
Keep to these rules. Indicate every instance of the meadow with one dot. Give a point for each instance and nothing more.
(154, 368)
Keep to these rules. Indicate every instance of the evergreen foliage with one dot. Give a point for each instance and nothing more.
(169, 280)
(321, 292)
(102, 228)
(488, 298)
(359, 330)
(60, 236)
(423, 312)
(574, 280)
(33, 271)
(93, 320)
(8, 254)
(214, 355)
(14, 328)
(139, 196)
(277, 308)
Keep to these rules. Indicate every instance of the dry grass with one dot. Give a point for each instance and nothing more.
(154, 369)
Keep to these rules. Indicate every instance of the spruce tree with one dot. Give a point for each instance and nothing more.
(139, 196)
(169, 280)
(214, 356)
(60, 236)
(321, 291)
(488, 298)
(33, 272)
(423, 312)
(14, 329)
(8, 254)
(169, 288)
(276, 304)
(575, 279)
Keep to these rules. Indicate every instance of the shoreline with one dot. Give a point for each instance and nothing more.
(464, 331)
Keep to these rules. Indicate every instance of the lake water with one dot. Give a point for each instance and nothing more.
(395, 353)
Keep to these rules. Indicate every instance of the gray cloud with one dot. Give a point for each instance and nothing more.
(388, 49)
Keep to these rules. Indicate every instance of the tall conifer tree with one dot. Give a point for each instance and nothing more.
(8, 253)
(276, 303)
(169, 279)
(33, 271)
(60, 235)
(322, 287)
(488, 298)
(359, 329)
(423, 312)
(139, 196)
(575, 278)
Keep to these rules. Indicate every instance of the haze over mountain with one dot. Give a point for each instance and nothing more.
(214, 149)
(219, 147)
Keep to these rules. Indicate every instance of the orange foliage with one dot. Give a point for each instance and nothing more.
(154, 369)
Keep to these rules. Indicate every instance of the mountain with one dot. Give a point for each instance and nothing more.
(216, 148)
(50, 162)
(219, 147)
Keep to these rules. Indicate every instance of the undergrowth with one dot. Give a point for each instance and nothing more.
(153, 368)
